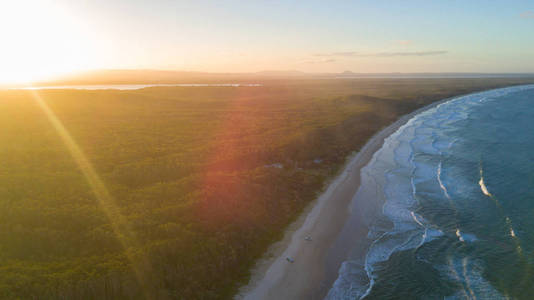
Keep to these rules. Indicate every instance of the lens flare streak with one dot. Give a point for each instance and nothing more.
(119, 224)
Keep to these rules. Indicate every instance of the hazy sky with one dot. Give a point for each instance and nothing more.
(43, 37)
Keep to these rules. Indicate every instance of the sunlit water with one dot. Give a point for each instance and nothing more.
(457, 216)
(135, 86)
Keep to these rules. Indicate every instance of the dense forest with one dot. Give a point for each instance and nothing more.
(175, 192)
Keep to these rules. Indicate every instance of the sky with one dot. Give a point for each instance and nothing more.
(44, 38)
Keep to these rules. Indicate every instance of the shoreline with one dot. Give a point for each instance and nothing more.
(316, 262)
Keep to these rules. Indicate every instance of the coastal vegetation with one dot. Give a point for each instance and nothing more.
(175, 192)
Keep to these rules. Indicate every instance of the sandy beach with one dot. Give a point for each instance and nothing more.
(316, 261)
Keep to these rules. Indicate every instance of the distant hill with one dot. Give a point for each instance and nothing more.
(350, 74)
(125, 76)
(130, 77)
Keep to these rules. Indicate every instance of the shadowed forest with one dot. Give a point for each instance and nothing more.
(187, 186)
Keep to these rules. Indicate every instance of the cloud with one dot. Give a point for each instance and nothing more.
(528, 15)
(382, 54)
(340, 54)
(416, 53)
(319, 61)
(404, 42)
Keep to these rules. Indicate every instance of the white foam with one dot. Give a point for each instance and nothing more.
(483, 187)
(416, 219)
(459, 235)
(468, 273)
(441, 185)
(465, 237)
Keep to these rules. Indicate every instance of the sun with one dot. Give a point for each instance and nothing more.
(40, 40)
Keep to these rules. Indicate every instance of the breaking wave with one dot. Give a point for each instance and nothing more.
(423, 178)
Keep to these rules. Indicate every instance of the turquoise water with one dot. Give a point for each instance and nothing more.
(450, 205)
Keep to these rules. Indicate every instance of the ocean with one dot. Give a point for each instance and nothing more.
(449, 204)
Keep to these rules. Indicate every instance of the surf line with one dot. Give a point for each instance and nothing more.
(482, 184)
(446, 192)
(511, 231)
(418, 219)
(466, 284)
(466, 278)
(465, 288)
(484, 188)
